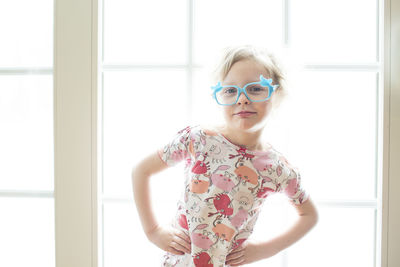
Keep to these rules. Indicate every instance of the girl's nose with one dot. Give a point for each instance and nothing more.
(243, 99)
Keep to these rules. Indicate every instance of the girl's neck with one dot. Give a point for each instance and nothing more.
(250, 140)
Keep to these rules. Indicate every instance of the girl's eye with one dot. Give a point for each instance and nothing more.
(230, 90)
(256, 89)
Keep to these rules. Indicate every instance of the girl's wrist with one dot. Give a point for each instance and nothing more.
(267, 249)
(148, 232)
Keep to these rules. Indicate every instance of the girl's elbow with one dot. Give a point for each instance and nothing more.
(314, 217)
(134, 172)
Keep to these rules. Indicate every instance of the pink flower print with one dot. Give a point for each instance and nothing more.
(239, 218)
(263, 163)
(291, 188)
(183, 222)
(201, 240)
(223, 182)
(202, 259)
(178, 155)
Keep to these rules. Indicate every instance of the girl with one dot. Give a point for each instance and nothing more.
(229, 172)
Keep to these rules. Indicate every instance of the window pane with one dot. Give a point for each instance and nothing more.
(125, 244)
(226, 22)
(142, 111)
(145, 32)
(26, 30)
(332, 130)
(343, 237)
(26, 136)
(27, 232)
(201, 98)
(340, 31)
(273, 220)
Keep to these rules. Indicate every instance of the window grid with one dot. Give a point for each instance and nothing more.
(189, 67)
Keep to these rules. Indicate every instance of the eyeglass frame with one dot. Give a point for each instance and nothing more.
(263, 82)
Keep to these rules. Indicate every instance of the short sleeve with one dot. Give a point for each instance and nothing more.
(178, 148)
(292, 186)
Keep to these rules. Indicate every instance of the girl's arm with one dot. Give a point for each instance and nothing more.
(141, 174)
(167, 238)
(308, 217)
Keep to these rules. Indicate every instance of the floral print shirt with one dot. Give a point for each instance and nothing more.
(224, 189)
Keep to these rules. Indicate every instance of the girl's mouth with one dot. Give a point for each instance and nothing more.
(245, 114)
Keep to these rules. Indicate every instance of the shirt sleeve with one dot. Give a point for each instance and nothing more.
(177, 149)
(292, 186)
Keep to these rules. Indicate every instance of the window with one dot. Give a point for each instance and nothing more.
(330, 125)
(107, 54)
(26, 134)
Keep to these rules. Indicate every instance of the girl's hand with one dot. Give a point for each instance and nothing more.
(170, 239)
(249, 252)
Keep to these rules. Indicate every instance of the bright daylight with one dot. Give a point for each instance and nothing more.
(199, 133)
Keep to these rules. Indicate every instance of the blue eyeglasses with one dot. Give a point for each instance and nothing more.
(255, 92)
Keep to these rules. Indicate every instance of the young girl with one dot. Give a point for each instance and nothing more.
(229, 172)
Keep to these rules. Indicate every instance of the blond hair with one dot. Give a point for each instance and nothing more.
(233, 54)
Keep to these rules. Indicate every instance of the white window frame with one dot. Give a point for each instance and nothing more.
(76, 54)
(390, 171)
(75, 132)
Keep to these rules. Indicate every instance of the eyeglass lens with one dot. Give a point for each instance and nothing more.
(256, 92)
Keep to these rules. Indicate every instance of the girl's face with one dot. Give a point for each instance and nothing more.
(241, 73)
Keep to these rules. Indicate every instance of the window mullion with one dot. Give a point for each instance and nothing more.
(75, 83)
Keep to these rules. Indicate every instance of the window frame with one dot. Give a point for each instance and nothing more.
(77, 129)
(76, 184)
